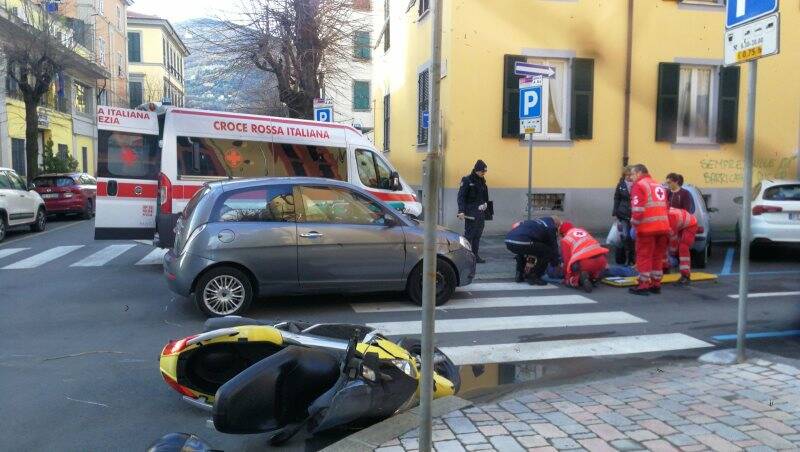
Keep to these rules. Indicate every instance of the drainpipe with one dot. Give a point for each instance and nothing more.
(627, 115)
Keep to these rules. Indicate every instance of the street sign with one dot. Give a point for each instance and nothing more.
(426, 119)
(530, 105)
(743, 11)
(323, 114)
(753, 40)
(523, 68)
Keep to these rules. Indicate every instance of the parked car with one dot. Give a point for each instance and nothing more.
(68, 193)
(775, 213)
(237, 240)
(19, 206)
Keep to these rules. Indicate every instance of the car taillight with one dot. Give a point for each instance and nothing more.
(164, 193)
(174, 385)
(758, 210)
(176, 346)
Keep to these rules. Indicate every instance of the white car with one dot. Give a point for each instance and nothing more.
(775, 213)
(19, 206)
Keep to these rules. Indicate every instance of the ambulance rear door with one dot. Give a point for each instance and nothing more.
(128, 164)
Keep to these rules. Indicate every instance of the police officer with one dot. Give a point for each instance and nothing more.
(473, 200)
(537, 239)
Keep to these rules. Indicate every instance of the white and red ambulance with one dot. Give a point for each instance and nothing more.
(151, 161)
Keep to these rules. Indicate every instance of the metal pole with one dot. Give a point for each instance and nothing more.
(530, 172)
(431, 214)
(744, 249)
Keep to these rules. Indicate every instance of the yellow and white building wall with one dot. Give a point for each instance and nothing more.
(578, 161)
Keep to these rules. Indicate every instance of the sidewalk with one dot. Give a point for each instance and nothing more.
(689, 407)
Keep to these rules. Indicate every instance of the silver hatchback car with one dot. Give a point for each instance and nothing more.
(239, 240)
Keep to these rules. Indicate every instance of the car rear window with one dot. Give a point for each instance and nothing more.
(61, 181)
(783, 193)
(127, 155)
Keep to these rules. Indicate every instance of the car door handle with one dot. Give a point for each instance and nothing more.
(311, 234)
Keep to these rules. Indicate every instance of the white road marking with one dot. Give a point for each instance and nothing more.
(43, 257)
(766, 294)
(37, 234)
(9, 251)
(155, 257)
(511, 323)
(103, 256)
(488, 287)
(145, 242)
(572, 348)
(474, 303)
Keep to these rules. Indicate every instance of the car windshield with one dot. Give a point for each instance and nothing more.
(783, 193)
(60, 181)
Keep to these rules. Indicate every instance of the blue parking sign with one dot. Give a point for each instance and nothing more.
(323, 114)
(743, 11)
(530, 102)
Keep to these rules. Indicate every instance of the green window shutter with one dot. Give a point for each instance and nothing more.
(669, 75)
(360, 95)
(510, 120)
(134, 47)
(362, 48)
(582, 98)
(728, 108)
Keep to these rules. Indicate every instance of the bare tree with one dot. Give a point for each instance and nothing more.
(303, 43)
(37, 45)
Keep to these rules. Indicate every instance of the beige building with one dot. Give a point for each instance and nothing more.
(155, 60)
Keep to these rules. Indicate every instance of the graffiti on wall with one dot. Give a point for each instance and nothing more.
(731, 171)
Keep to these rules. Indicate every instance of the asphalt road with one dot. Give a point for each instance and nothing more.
(82, 326)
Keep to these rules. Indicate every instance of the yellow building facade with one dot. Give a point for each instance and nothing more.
(686, 114)
(156, 57)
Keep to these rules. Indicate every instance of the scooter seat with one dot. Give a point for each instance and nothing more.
(275, 391)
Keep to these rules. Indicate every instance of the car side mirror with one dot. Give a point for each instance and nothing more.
(737, 200)
(31, 186)
(394, 181)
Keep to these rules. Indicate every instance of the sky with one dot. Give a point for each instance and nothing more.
(180, 10)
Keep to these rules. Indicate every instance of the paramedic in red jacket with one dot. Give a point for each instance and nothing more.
(683, 228)
(649, 217)
(583, 257)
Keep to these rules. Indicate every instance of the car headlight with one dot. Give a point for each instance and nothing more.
(405, 366)
(464, 242)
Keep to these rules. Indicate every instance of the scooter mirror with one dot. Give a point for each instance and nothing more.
(180, 442)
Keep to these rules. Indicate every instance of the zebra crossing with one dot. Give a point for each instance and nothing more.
(476, 315)
(80, 256)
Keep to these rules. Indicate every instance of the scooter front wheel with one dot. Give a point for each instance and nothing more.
(442, 364)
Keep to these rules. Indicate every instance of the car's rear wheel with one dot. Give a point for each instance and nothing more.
(88, 210)
(700, 258)
(41, 221)
(3, 226)
(446, 283)
(223, 291)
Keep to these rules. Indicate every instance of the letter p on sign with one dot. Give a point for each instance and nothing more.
(530, 105)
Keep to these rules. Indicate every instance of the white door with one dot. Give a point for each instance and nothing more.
(21, 209)
(8, 198)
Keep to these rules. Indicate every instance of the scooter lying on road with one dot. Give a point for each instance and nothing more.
(260, 377)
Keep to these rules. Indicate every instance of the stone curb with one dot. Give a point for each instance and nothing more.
(372, 437)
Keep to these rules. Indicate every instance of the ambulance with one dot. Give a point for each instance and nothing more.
(152, 160)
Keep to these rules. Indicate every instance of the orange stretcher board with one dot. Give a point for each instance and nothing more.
(622, 281)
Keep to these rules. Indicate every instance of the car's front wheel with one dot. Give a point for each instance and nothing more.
(446, 283)
(88, 210)
(3, 226)
(41, 221)
(700, 258)
(223, 291)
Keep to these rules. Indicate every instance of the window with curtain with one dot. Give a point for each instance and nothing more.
(360, 95)
(695, 104)
(134, 47)
(555, 96)
(83, 99)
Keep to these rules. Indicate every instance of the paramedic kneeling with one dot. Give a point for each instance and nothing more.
(537, 239)
(584, 259)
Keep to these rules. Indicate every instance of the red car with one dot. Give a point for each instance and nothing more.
(67, 193)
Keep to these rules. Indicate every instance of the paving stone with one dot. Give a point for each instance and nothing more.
(606, 432)
(745, 413)
(615, 419)
(785, 369)
(588, 435)
(596, 445)
(629, 428)
(410, 434)
(411, 443)
(729, 433)
(695, 448)
(390, 449)
(780, 415)
(774, 426)
(528, 416)
(448, 446)
(479, 417)
(506, 443)
(514, 406)
(456, 413)
(472, 409)
(761, 448)
(662, 414)
(558, 419)
(442, 435)
(572, 429)
(504, 416)
(733, 421)
(716, 442)
(659, 445)
(693, 429)
(532, 441)
(680, 440)
(484, 423)
(493, 430)
(548, 430)
(543, 449)
(516, 426)
(626, 445)
(753, 405)
(748, 443)
(471, 438)
(460, 425)
(795, 438)
(708, 410)
(658, 427)
(748, 428)
(641, 435)
(476, 447)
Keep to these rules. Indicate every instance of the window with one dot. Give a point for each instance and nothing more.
(18, 162)
(782, 193)
(387, 109)
(83, 99)
(63, 151)
(423, 87)
(135, 91)
(362, 5)
(101, 50)
(362, 48)
(424, 6)
(63, 181)
(16, 182)
(85, 159)
(127, 155)
(120, 22)
(372, 171)
(120, 66)
(164, 50)
(213, 158)
(270, 203)
(695, 104)
(102, 97)
(547, 201)
(388, 27)
(360, 95)
(5, 182)
(338, 206)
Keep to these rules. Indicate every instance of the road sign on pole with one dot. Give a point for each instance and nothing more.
(743, 11)
(753, 40)
(530, 120)
(323, 113)
(523, 68)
